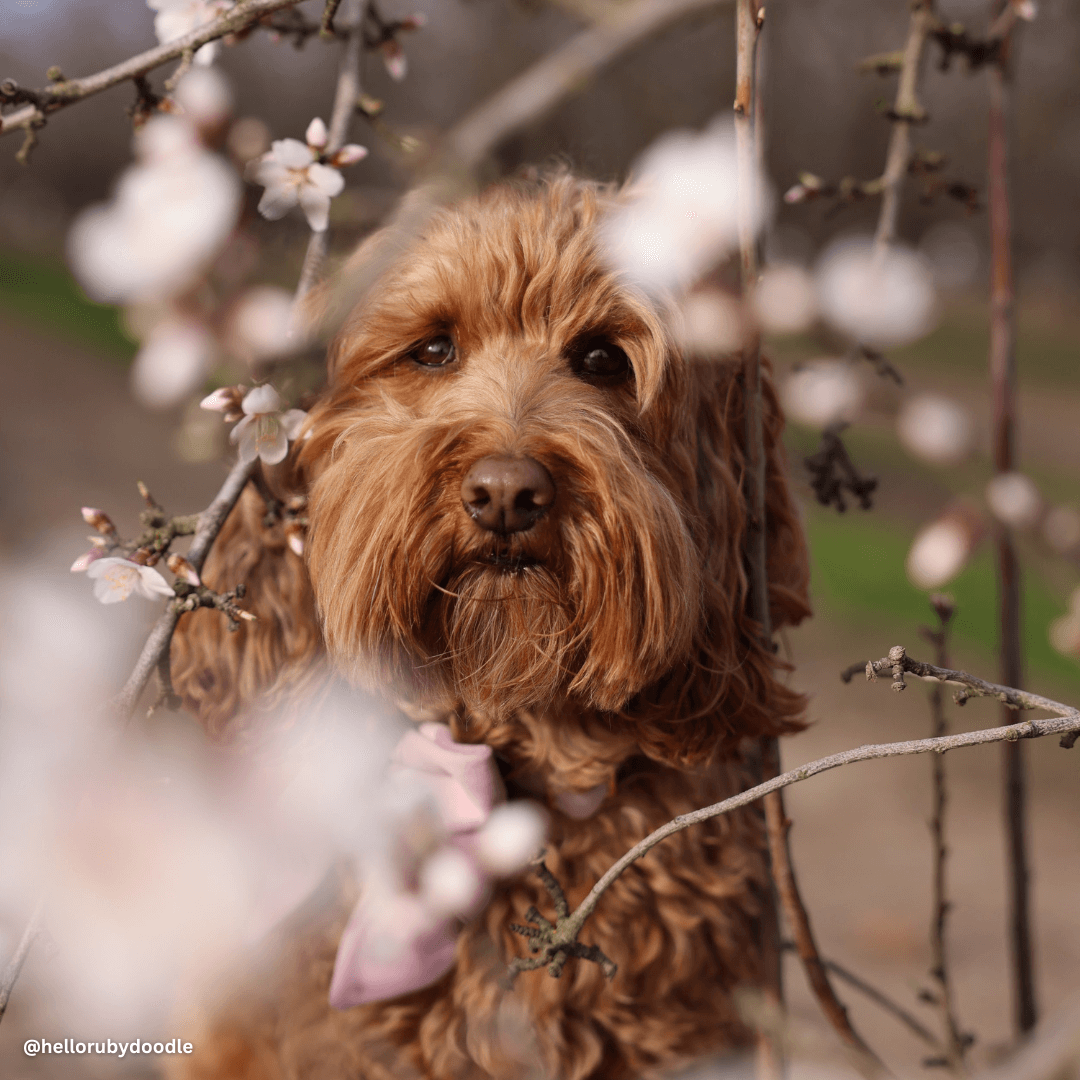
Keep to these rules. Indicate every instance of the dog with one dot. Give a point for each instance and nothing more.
(525, 519)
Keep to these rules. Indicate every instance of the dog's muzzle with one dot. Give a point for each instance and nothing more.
(507, 495)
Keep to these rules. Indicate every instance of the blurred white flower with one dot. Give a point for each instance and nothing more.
(248, 139)
(935, 429)
(1014, 499)
(205, 97)
(712, 323)
(680, 216)
(879, 300)
(1065, 631)
(942, 548)
(511, 838)
(822, 393)
(953, 254)
(784, 300)
(175, 18)
(1026, 9)
(1061, 529)
(260, 324)
(172, 362)
(265, 430)
(450, 883)
(173, 210)
(116, 579)
(293, 173)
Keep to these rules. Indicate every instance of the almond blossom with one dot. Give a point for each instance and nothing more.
(171, 214)
(115, 579)
(172, 363)
(265, 430)
(299, 173)
(175, 18)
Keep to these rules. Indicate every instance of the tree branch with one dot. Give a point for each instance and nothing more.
(897, 663)
(906, 111)
(68, 91)
(157, 644)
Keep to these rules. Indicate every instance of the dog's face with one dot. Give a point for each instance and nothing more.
(504, 505)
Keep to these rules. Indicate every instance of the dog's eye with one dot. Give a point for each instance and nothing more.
(436, 352)
(599, 359)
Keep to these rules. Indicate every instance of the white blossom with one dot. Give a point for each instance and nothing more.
(450, 882)
(822, 393)
(935, 429)
(172, 211)
(713, 323)
(681, 214)
(880, 299)
(941, 549)
(205, 97)
(260, 324)
(1014, 499)
(511, 837)
(784, 300)
(1061, 529)
(1065, 631)
(172, 362)
(175, 18)
(116, 579)
(294, 173)
(265, 430)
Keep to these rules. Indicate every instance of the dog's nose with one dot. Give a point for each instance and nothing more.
(506, 495)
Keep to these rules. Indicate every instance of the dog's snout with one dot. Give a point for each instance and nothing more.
(507, 495)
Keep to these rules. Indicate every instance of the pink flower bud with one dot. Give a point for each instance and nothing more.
(394, 59)
(316, 135)
(182, 569)
(226, 400)
(99, 520)
(797, 193)
(417, 20)
(82, 563)
(348, 155)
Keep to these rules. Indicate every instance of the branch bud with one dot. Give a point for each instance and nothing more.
(182, 569)
(99, 520)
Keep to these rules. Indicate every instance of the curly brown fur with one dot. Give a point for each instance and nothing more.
(607, 644)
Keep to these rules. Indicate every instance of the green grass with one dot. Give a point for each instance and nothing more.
(44, 295)
(859, 571)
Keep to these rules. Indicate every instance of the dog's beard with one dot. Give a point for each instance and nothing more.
(410, 596)
(508, 637)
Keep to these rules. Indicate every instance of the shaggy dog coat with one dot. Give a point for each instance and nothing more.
(604, 642)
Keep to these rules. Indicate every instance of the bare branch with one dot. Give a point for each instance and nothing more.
(906, 111)
(560, 74)
(61, 94)
(1066, 719)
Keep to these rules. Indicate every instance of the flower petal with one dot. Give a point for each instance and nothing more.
(292, 153)
(278, 200)
(316, 206)
(349, 155)
(152, 584)
(325, 179)
(272, 445)
(262, 399)
(292, 421)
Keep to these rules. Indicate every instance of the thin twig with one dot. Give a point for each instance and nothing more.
(1066, 719)
(955, 1045)
(906, 111)
(1003, 390)
(157, 644)
(346, 95)
(61, 94)
(788, 887)
(18, 958)
(561, 73)
(770, 1050)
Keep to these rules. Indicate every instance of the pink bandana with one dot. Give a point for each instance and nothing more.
(393, 942)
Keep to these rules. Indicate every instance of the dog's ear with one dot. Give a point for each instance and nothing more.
(220, 674)
(730, 689)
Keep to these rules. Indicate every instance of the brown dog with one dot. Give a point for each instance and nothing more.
(524, 517)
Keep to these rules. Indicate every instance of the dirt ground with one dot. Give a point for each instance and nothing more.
(70, 435)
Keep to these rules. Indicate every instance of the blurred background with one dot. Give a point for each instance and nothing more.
(71, 433)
